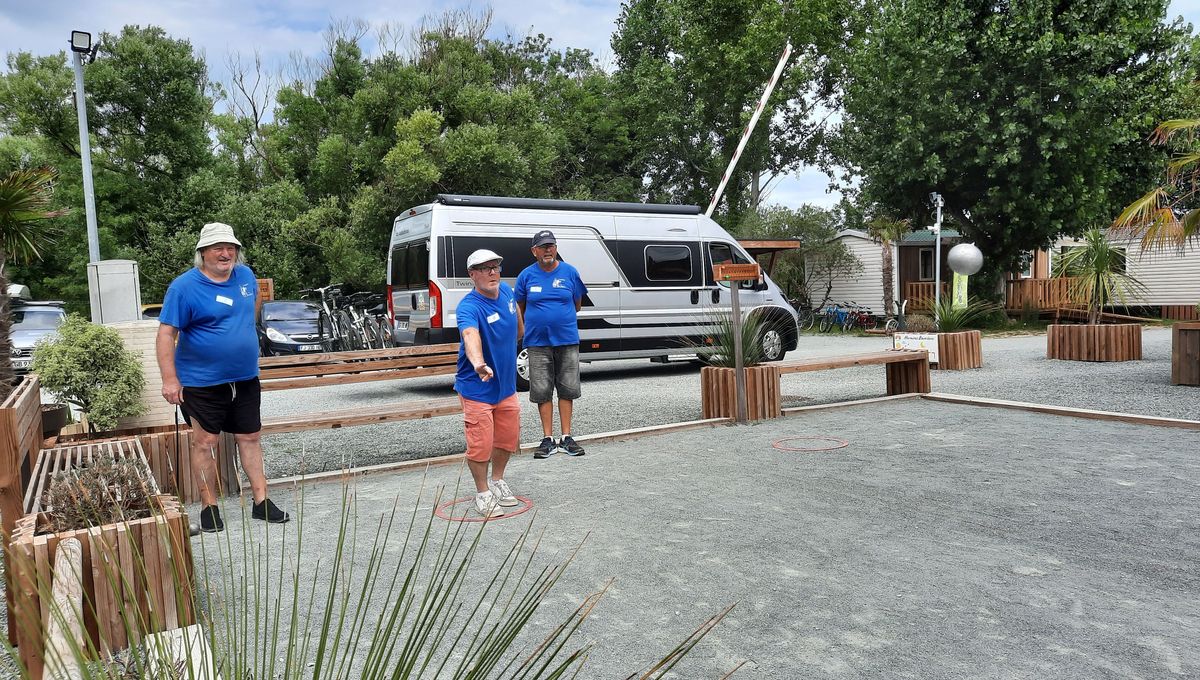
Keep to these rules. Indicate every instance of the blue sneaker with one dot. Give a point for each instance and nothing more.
(568, 446)
(545, 449)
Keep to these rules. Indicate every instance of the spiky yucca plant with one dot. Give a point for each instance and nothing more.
(417, 598)
(950, 319)
(1097, 273)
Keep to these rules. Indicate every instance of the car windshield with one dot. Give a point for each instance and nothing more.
(36, 318)
(290, 311)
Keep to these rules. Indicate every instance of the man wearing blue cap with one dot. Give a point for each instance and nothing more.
(550, 294)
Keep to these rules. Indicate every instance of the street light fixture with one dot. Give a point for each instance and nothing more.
(81, 44)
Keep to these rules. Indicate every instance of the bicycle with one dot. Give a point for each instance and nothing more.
(806, 317)
(330, 316)
(365, 326)
(834, 315)
(896, 323)
(859, 317)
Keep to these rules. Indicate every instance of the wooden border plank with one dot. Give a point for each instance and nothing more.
(1111, 416)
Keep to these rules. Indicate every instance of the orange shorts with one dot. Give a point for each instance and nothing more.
(491, 426)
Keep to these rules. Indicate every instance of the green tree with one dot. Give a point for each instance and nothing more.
(26, 228)
(1166, 216)
(808, 272)
(691, 73)
(887, 231)
(1027, 117)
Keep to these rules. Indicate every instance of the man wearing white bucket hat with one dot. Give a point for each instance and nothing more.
(207, 349)
(489, 325)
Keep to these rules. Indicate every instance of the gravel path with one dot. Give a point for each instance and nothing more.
(624, 394)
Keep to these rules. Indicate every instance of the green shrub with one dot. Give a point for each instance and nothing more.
(87, 365)
(951, 319)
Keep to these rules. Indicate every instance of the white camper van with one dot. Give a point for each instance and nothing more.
(648, 269)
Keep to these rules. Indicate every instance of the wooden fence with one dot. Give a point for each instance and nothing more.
(1039, 294)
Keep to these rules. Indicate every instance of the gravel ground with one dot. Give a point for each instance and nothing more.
(620, 395)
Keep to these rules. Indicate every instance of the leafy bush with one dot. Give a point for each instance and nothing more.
(721, 350)
(88, 365)
(106, 491)
(919, 323)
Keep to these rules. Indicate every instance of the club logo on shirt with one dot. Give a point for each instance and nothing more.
(246, 290)
(559, 283)
(512, 307)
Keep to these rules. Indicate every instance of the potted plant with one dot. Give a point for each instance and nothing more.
(718, 394)
(135, 549)
(950, 332)
(1096, 279)
(87, 365)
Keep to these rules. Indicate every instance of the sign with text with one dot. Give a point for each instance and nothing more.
(925, 341)
(736, 272)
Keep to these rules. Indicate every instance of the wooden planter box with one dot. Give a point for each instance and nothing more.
(171, 466)
(960, 351)
(1104, 342)
(718, 396)
(143, 567)
(1185, 353)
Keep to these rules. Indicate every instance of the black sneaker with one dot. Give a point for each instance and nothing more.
(267, 510)
(210, 520)
(545, 449)
(568, 446)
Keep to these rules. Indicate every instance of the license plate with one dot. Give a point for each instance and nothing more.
(309, 348)
(22, 363)
(401, 325)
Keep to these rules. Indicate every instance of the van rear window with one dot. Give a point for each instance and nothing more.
(410, 266)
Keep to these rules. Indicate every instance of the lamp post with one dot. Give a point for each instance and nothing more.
(937, 250)
(81, 44)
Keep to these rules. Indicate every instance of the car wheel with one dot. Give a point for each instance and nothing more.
(522, 369)
(771, 342)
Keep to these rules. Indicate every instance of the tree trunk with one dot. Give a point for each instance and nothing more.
(6, 370)
(888, 301)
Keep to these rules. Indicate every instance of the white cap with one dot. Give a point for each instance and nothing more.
(215, 233)
(480, 256)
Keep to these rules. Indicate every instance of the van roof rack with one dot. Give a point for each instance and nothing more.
(552, 204)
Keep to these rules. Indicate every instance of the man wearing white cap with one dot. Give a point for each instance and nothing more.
(207, 351)
(489, 325)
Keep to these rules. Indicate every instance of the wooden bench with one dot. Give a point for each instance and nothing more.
(339, 368)
(907, 370)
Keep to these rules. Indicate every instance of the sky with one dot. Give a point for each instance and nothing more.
(275, 30)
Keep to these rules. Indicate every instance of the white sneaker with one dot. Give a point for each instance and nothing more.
(485, 505)
(503, 494)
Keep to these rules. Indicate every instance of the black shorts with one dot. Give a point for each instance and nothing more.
(228, 407)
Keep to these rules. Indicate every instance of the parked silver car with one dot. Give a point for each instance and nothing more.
(32, 321)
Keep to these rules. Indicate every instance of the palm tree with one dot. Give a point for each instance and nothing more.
(1097, 273)
(1163, 217)
(885, 230)
(25, 231)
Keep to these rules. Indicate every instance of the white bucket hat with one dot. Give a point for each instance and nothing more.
(214, 233)
(480, 256)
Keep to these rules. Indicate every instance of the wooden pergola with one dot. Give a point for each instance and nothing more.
(770, 247)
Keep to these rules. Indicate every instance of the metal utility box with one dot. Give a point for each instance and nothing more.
(115, 290)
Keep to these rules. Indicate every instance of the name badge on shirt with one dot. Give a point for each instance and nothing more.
(535, 289)
(495, 316)
(224, 300)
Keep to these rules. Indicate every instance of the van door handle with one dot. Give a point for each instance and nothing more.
(716, 295)
(695, 297)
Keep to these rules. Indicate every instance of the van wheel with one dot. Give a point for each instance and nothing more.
(771, 342)
(522, 369)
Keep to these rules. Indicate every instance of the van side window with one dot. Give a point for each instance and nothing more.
(669, 263)
(515, 251)
(410, 266)
(723, 253)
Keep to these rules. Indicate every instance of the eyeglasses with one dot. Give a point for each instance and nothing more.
(487, 269)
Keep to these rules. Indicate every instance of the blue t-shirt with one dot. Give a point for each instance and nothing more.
(550, 299)
(217, 339)
(496, 321)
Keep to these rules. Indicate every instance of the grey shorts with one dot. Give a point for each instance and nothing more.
(551, 369)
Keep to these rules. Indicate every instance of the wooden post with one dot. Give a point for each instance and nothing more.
(65, 635)
(733, 274)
